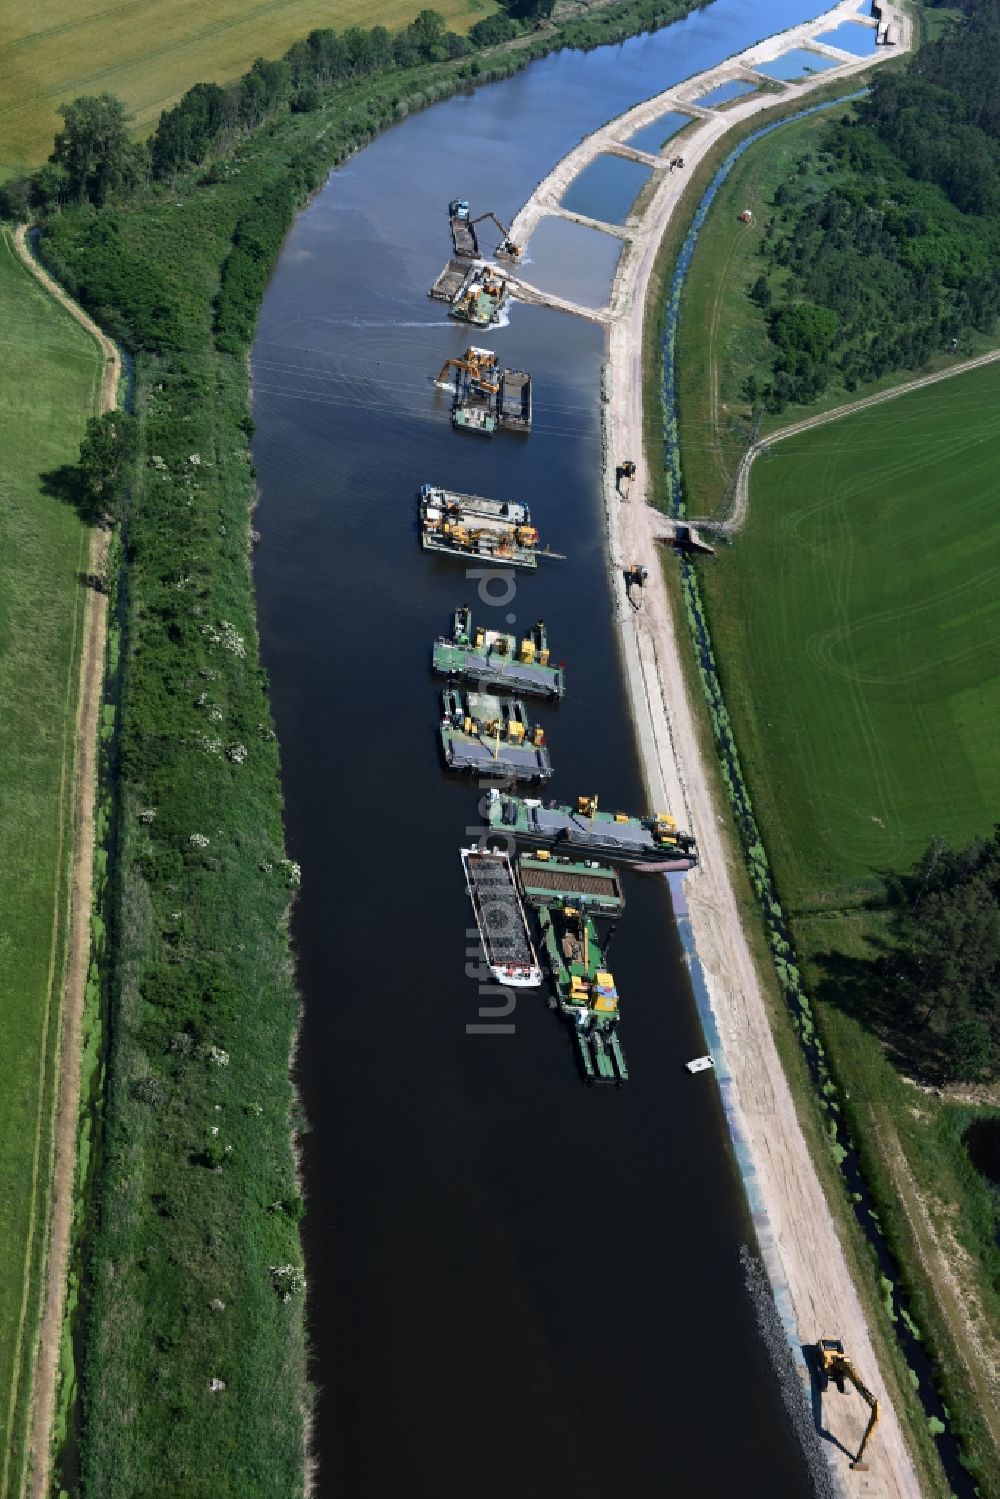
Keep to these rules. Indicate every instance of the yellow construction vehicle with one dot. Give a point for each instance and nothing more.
(479, 364)
(507, 246)
(834, 1364)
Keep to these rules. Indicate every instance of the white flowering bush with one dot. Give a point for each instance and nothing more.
(232, 640)
(288, 1281)
(292, 870)
(218, 1056)
(237, 753)
(198, 840)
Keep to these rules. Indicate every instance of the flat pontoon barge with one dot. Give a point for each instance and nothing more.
(653, 843)
(494, 658)
(490, 736)
(503, 927)
(465, 526)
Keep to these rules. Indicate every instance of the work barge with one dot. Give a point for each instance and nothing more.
(491, 737)
(497, 658)
(577, 906)
(470, 525)
(653, 844)
(476, 295)
(487, 398)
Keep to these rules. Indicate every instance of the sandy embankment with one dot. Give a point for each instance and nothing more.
(798, 1238)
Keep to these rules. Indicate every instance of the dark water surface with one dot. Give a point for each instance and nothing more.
(517, 1286)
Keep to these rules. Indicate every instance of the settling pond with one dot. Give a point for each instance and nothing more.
(517, 1285)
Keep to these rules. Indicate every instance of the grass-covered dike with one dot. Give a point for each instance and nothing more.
(191, 1330)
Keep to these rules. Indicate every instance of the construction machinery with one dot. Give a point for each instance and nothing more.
(478, 365)
(506, 247)
(463, 232)
(834, 1364)
(625, 470)
(635, 578)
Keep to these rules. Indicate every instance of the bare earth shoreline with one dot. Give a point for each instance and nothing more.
(798, 1238)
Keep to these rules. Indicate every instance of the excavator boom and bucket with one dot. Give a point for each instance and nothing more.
(834, 1364)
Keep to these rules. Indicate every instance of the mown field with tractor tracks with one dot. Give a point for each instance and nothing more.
(149, 55)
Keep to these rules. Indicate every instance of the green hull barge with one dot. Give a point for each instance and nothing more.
(496, 659)
(490, 737)
(653, 845)
(570, 898)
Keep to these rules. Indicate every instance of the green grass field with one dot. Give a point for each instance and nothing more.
(723, 335)
(857, 616)
(51, 374)
(150, 54)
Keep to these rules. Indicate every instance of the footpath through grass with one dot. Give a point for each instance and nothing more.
(148, 56)
(50, 385)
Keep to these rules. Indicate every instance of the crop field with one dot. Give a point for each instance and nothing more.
(857, 619)
(149, 54)
(52, 370)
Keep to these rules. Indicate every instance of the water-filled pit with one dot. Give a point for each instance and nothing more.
(607, 188)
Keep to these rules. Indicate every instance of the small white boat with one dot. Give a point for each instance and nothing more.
(700, 1064)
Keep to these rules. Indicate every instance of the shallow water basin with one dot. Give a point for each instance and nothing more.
(606, 188)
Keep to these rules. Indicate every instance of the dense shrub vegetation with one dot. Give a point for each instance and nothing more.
(193, 1378)
(934, 988)
(899, 257)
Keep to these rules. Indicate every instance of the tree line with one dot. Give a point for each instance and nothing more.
(938, 979)
(899, 257)
(94, 158)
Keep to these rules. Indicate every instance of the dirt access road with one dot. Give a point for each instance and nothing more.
(797, 1234)
(78, 944)
(741, 503)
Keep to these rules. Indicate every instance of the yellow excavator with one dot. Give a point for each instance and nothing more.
(834, 1364)
(479, 364)
(507, 246)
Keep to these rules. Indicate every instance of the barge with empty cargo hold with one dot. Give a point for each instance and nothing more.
(496, 658)
(570, 898)
(499, 912)
(652, 844)
(490, 737)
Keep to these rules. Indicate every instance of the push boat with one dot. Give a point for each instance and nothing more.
(495, 658)
(499, 911)
(570, 898)
(490, 736)
(651, 844)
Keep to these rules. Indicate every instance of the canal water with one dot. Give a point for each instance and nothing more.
(517, 1285)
